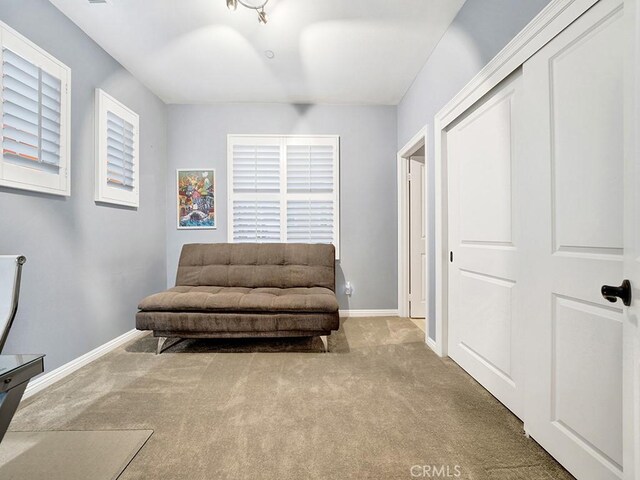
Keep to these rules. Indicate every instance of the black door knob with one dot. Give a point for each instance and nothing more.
(623, 292)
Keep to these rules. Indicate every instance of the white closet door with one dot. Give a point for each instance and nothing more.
(572, 243)
(417, 239)
(484, 326)
(631, 329)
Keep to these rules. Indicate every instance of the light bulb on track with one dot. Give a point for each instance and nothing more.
(257, 6)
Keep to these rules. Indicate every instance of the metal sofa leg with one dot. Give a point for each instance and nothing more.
(325, 342)
(166, 342)
(161, 342)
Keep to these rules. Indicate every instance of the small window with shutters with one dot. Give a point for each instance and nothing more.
(34, 107)
(284, 189)
(117, 152)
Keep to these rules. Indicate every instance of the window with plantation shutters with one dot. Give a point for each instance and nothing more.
(35, 116)
(284, 189)
(117, 156)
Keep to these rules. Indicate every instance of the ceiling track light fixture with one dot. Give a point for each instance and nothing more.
(262, 15)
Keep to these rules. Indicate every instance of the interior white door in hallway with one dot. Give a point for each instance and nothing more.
(631, 328)
(572, 244)
(417, 239)
(484, 326)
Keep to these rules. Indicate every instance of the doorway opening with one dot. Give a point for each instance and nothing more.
(413, 261)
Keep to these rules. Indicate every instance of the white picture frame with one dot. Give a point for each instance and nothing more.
(201, 184)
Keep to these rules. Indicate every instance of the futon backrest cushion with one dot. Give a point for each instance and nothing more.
(280, 265)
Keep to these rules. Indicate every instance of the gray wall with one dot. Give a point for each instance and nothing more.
(479, 31)
(198, 138)
(88, 265)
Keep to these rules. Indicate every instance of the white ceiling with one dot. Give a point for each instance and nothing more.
(326, 51)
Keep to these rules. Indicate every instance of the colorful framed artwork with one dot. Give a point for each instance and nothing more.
(196, 190)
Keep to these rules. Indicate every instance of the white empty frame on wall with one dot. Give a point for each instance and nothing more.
(35, 112)
(117, 152)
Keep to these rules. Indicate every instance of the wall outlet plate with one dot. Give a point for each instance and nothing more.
(348, 288)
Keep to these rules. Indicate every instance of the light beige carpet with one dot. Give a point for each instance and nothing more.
(419, 322)
(380, 404)
(69, 455)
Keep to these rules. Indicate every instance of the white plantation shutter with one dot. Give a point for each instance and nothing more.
(312, 189)
(256, 168)
(255, 186)
(284, 189)
(50, 98)
(34, 111)
(120, 151)
(31, 115)
(310, 221)
(117, 152)
(310, 168)
(256, 221)
(21, 108)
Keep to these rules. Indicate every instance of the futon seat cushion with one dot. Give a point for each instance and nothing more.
(241, 299)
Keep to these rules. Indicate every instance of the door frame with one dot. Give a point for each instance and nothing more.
(418, 141)
(552, 20)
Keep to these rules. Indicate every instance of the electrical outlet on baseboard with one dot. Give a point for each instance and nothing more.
(348, 289)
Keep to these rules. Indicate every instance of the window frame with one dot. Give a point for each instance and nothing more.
(105, 193)
(283, 195)
(32, 179)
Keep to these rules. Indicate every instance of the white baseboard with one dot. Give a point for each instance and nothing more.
(369, 313)
(435, 347)
(59, 373)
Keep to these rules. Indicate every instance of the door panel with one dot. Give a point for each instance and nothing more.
(485, 321)
(572, 179)
(586, 374)
(483, 151)
(484, 329)
(417, 239)
(585, 90)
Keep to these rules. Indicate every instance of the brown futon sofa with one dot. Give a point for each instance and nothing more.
(246, 290)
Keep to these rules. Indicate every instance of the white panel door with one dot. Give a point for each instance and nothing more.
(631, 327)
(572, 243)
(417, 239)
(484, 327)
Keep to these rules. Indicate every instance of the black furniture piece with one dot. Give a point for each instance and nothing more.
(15, 373)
